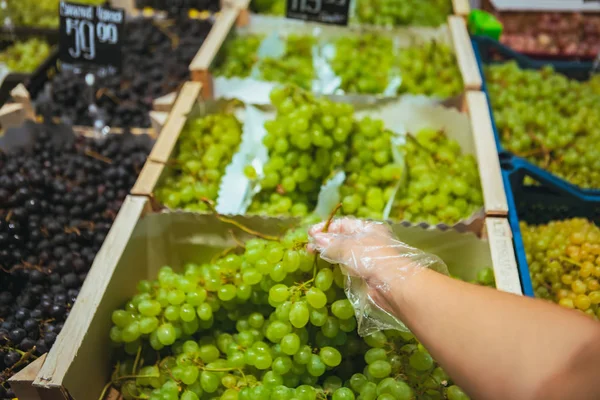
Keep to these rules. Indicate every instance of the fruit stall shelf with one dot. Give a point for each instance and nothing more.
(489, 51)
(475, 106)
(141, 241)
(10, 36)
(547, 200)
(210, 55)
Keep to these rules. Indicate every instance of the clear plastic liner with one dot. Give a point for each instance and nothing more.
(373, 260)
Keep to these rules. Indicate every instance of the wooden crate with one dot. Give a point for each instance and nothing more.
(200, 67)
(140, 242)
(474, 104)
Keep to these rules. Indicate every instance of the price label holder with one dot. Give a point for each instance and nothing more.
(333, 12)
(91, 37)
(90, 42)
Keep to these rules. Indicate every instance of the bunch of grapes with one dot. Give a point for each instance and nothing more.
(548, 119)
(372, 172)
(295, 66)
(205, 148)
(25, 56)
(306, 141)
(37, 13)
(364, 62)
(403, 12)
(240, 55)
(430, 69)
(564, 263)
(58, 200)
(443, 184)
(267, 320)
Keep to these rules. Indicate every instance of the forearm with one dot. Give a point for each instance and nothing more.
(497, 345)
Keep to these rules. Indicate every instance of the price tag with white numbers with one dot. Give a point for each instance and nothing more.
(91, 37)
(326, 11)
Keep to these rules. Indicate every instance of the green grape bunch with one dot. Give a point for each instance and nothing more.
(564, 263)
(372, 171)
(204, 149)
(37, 13)
(430, 69)
(25, 56)
(265, 320)
(549, 119)
(443, 184)
(403, 12)
(295, 66)
(307, 142)
(364, 62)
(240, 56)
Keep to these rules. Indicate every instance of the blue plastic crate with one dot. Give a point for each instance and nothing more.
(551, 199)
(488, 51)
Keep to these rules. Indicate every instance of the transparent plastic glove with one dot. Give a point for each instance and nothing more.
(375, 263)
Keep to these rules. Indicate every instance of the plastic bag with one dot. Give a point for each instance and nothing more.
(372, 259)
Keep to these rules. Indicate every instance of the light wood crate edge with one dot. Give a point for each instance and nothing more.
(465, 56)
(490, 173)
(504, 261)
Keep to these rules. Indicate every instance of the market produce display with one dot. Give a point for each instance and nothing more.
(156, 56)
(573, 35)
(443, 185)
(205, 148)
(404, 12)
(306, 141)
(36, 13)
(58, 200)
(368, 63)
(266, 320)
(25, 56)
(564, 264)
(548, 119)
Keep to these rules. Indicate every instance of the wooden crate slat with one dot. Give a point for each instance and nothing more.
(487, 155)
(465, 55)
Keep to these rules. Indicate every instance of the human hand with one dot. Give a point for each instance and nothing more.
(368, 250)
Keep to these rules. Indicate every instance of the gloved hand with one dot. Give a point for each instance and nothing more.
(375, 261)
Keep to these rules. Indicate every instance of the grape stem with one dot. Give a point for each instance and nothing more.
(241, 226)
(137, 359)
(569, 260)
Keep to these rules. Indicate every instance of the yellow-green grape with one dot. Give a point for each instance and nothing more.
(306, 141)
(25, 56)
(38, 13)
(239, 56)
(430, 69)
(403, 12)
(371, 171)
(204, 149)
(564, 263)
(363, 62)
(272, 7)
(443, 183)
(549, 119)
(296, 64)
(264, 321)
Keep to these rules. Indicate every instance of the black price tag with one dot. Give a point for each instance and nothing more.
(326, 11)
(91, 37)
